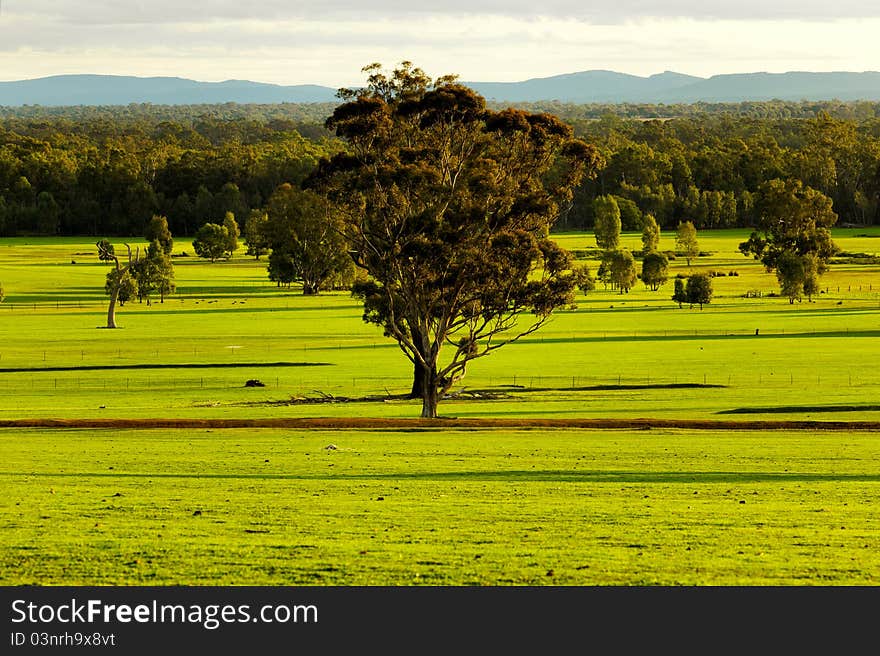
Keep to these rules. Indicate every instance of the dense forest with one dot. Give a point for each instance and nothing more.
(105, 171)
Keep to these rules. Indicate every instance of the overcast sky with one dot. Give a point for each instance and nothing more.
(327, 42)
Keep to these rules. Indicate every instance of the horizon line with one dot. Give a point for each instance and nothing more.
(530, 79)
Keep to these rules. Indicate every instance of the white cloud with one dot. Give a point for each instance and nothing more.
(163, 11)
(40, 38)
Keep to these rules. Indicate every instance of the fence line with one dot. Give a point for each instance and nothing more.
(292, 350)
(343, 385)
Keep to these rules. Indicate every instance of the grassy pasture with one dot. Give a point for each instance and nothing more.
(453, 508)
(459, 507)
(807, 355)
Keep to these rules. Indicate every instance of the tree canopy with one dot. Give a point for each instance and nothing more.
(157, 230)
(655, 270)
(607, 224)
(698, 289)
(791, 218)
(686, 241)
(212, 242)
(305, 238)
(650, 234)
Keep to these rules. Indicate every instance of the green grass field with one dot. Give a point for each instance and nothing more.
(453, 508)
(269, 506)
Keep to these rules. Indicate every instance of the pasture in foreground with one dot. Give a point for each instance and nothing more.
(440, 507)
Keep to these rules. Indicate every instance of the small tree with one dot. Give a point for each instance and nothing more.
(650, 234)
(686, 241)
(607, 223)
(232, 234)
(302, 227)
(212, 242)
(794, 221)
(623, 270)
(119, 278)
(154, 273)
(680, 295)
(699, 289)
(255, 234)
(157, 230)
(2, 293)
(586, 282)
(655, 270)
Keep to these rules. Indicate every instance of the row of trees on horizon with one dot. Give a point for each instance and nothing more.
(92, 175)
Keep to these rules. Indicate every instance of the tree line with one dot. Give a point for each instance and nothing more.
(106, 171)
(710, 170)
(99, 178)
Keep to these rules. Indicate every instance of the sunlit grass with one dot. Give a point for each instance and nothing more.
(457, 507)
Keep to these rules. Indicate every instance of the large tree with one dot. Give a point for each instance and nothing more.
(304, 233)
(447, 205)
(154, 273)
(794, 232)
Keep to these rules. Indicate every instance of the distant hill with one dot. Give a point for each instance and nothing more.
(587, 87)
(124, 90)
(781, 86)
(584, 87)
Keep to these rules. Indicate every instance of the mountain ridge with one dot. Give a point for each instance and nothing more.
(581, 87)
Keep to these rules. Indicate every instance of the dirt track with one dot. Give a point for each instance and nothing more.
(364, 423)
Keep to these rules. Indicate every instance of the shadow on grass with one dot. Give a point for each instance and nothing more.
(701, 336)
(502, 476)
(796, 409)
(243, 309)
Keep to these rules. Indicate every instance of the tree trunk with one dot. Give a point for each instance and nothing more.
(111, 310)
(430, 392)
(418, 385)
(418, 380)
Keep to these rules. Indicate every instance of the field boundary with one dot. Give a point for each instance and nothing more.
(169, 365)
(397, 424)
